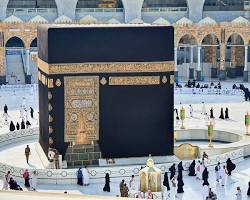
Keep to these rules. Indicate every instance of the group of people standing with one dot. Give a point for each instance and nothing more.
(176, 180)
(83, 176)
(125, 188)
(10, 183)
(24, 115)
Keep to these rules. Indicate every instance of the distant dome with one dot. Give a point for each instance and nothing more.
(161, 21)
(136, 21)
(240, 20)
(113, 21)
(88, 19)
(38, 19)
(184, 21)
(63, 19)
(207, 21)
(13, 19)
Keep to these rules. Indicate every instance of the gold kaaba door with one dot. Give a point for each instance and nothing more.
(81, 109)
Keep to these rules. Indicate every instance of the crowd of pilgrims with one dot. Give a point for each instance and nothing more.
(212, 85)
(10, 183)
(25, 115)
(224, 114)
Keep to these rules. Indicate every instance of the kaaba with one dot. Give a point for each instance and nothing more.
(106, 91)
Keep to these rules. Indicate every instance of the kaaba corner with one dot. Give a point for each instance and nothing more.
(106, 91)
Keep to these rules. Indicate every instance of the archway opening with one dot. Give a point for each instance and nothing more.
(210, 55)
(224, 5)
(164, 3)
(14, 42)
(99, 4)
(15, 56)
(235, 56)
(187, 56)
(31, 4)
(33, 44)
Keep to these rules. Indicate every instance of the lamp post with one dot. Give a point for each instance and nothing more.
(210, 132)
(182, 114)
(247, 123)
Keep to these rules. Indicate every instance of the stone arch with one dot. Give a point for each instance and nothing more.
(235, 55)
(210, 54)
(33, 43)
(99, 4)
(14, 42)
(187, 39)
(165, 3)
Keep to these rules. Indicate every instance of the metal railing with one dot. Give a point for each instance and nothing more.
(82, 10)
(12, 11)
(165, 9)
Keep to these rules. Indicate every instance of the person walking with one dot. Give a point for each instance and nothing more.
(121, 186)
(191, 110)
(125, 190)
(212, 113)
(106, 187)
(205, 177)
(27, 153)
(22, 125)
(238, 194)
(26, 177)
(17, 126)
(85, 173)
(6, 180)
(217, 172)
(226, 114)
(191, 169)
(230, 166)
(5, 109)
(79, 176)
(221, 114)
(34, 180)
(132, 183)
(166, 181)
(248, 190)
(223, 173)
(172, 171)
(31, 112)
(56, 160)
(203, 110)
(12, 126)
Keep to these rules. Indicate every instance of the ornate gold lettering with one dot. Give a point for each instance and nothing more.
(135, 80)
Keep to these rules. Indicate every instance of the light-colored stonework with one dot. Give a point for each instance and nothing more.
(189, 34)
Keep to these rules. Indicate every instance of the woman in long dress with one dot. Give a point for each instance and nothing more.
(26, 176)
(79, 176)
(85, 173)
(34, 180)
(106, 187)
(205, 177)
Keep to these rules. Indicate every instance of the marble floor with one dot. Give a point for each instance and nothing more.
(193, 188)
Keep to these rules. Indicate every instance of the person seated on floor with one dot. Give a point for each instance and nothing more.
(198, 85)
(234, 86)
(211, 194)
(212, 84)
(13, 185)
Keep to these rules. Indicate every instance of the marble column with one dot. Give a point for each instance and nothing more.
(2, 66)
(222, 71)
(191, 66)
(245, 73)
(175, 64)
(198, 71)
(28, 75)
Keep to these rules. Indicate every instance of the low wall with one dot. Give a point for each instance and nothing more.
(68, 176)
